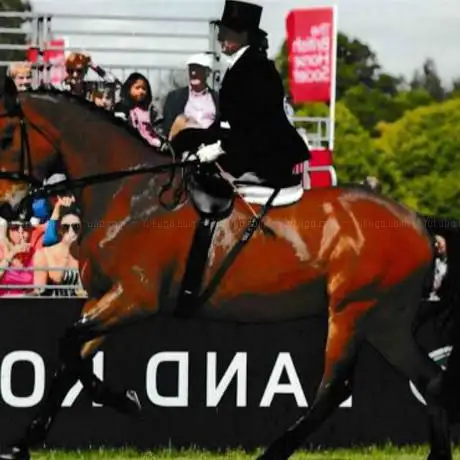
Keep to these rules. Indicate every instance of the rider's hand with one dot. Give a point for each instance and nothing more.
(210, 153)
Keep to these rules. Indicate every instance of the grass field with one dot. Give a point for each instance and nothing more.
(387, 453)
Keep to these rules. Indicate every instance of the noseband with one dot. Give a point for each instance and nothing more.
(25, 172)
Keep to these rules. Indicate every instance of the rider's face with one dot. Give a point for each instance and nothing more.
(231, 40)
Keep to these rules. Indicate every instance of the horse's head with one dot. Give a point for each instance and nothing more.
(27, 148)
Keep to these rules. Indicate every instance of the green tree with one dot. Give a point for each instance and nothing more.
(420, 155)
(427, 78)
(282, 64)
(455, 92)
(9, 38)
(356, 64)
(353, 152)
(371, 105)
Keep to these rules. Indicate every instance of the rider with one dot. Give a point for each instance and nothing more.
(252, 132)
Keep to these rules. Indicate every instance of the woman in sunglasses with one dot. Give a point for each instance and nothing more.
(16, 260)
(58, 275)
(77, 66)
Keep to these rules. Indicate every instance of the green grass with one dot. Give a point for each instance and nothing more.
(374, 453)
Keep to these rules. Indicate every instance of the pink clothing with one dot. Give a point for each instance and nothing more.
(201, 108)
(140, 119)
(17, 278)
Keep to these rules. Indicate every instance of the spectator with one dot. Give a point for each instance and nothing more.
(16, 252)
(60, 256)
(101, 99)
(21, 73)
(440, 267)
(137, 108)
(77, 65)
(195, 105)
(51, 235)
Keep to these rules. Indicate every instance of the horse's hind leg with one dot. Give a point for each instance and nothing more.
(389, 330)
(342, 346)
(76, 348)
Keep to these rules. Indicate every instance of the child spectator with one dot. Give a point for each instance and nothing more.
(136, 107)
(61, 256)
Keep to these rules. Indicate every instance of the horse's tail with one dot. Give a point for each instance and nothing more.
(449, 292)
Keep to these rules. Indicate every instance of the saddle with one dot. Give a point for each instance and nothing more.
(211, 196)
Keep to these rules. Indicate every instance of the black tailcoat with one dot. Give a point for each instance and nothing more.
(252, 124)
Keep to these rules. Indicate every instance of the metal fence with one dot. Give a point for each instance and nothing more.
(45, 287)
(156, 46)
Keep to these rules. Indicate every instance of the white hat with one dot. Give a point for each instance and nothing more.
(202, 59)
(55, 179)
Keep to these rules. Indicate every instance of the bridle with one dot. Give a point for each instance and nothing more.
(26, 167)
(37, 189)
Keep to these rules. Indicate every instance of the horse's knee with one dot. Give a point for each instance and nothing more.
(71, 343)
(434, 394)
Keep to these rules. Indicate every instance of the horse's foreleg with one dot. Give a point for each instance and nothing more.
(335, 387)
(85, 337)
(75, 350)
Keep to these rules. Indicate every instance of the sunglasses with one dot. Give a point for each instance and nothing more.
(78, 71)
(66, 227)
(17, 226)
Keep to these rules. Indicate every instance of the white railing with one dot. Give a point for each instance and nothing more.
(124, 37)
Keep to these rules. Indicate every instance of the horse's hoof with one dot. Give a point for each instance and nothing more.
(133, 406)
(16, 453)
(437, 456)
(268, 456)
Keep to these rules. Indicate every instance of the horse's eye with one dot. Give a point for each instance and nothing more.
(7, 137)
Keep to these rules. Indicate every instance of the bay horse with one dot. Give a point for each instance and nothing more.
(359, 258)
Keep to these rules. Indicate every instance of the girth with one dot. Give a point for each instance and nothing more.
(211, 210)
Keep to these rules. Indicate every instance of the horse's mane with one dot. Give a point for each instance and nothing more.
(85, 103)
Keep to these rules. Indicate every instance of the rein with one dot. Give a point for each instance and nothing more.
(39, 190)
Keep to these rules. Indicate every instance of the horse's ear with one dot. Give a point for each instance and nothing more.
(10, 93)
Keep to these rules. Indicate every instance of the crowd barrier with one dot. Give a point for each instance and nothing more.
(78, 287)
(204, 384)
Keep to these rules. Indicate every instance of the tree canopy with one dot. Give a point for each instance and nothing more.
(405, 132)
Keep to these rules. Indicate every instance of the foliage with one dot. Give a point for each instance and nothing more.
(354, 155)
(427, 78)
(371, 94)
(421, 158)
(405, 133)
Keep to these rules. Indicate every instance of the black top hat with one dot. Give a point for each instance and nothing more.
(241, 16)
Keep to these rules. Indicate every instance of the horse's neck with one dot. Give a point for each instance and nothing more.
(95, 150)
(103, 153)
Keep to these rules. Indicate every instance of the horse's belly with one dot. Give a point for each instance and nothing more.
(300, 302)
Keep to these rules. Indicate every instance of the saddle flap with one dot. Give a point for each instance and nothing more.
(212, 197)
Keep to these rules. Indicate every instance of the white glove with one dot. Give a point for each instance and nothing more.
(209, 153)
